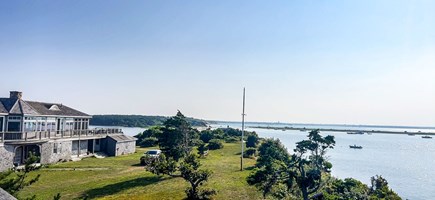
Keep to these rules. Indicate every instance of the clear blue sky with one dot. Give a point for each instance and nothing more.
(354, 62)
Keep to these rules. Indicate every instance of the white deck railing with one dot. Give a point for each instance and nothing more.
(42, 135)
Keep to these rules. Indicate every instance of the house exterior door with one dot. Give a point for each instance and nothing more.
(18, 158)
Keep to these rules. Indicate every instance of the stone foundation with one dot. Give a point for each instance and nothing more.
(6, 157)
(55, 151)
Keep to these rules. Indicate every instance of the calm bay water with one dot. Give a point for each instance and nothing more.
(407, 162)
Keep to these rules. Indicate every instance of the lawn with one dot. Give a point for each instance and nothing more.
(122, 178)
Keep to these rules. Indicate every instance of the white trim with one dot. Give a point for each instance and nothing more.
(59, 116)
(2, 128)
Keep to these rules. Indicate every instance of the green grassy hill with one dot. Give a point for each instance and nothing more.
(122, 178)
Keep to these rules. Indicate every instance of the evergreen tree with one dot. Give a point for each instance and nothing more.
(14, 181)
(177, 137)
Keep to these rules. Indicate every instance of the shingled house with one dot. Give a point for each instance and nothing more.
(54, 132)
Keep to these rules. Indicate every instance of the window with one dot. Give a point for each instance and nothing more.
(14, 126)
(28, 126)
(57, 148)
(97, 142)
(54, 108)
(14, 118)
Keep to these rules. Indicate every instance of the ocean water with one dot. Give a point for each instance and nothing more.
(407, 162)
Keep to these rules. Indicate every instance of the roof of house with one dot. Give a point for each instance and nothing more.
(5, 195)
(2, 109)
(21, 107)
(54, 109)
(122, 138)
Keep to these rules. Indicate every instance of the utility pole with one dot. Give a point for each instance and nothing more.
(243, 130)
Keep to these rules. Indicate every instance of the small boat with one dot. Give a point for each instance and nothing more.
(426, 137)
(411, 134)
(355, 146)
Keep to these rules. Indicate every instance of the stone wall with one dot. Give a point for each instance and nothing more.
(6, 157)
(48, 155)
(123, 148)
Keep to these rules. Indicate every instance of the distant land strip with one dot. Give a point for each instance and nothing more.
(345, 130)
(137, 121)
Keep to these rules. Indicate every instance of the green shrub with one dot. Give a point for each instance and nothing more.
(149, 142)
(215, 144)
(206, 136)
(252, 141)
(232, 139)
(202, 150)
(249, 152)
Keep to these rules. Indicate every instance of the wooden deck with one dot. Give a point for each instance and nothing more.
(6, 137)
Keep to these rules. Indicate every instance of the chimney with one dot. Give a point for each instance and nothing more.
(15, 95)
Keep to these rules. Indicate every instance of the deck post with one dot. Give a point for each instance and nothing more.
(78, 150)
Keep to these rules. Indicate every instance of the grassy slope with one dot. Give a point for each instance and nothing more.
(122, 178)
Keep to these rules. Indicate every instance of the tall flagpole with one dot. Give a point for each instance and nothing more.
(243, 130)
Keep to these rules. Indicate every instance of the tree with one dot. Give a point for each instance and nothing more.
(309, 162)
(160, 165)
(252, 141)
(303, 169)
(270, 150)
(271, 167)
(177, 137)
(202, 149)
(14, 181)
(206, 135)
(379, 189)
(348, 188)
(190, 171)
(148, 138)
(268, 177)
(215, 144)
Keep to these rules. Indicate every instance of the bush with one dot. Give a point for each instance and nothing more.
(252, 141)
(159, 165)
(249, 153)
(197, 142)
(232, 139)
(149, 142)
(202, 150)
(206, 136)
(200, 194)
(215, 144)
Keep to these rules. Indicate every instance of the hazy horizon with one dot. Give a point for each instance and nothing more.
(319, 62)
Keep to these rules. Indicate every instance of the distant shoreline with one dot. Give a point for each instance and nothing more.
(287, 124)
(345, 130)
